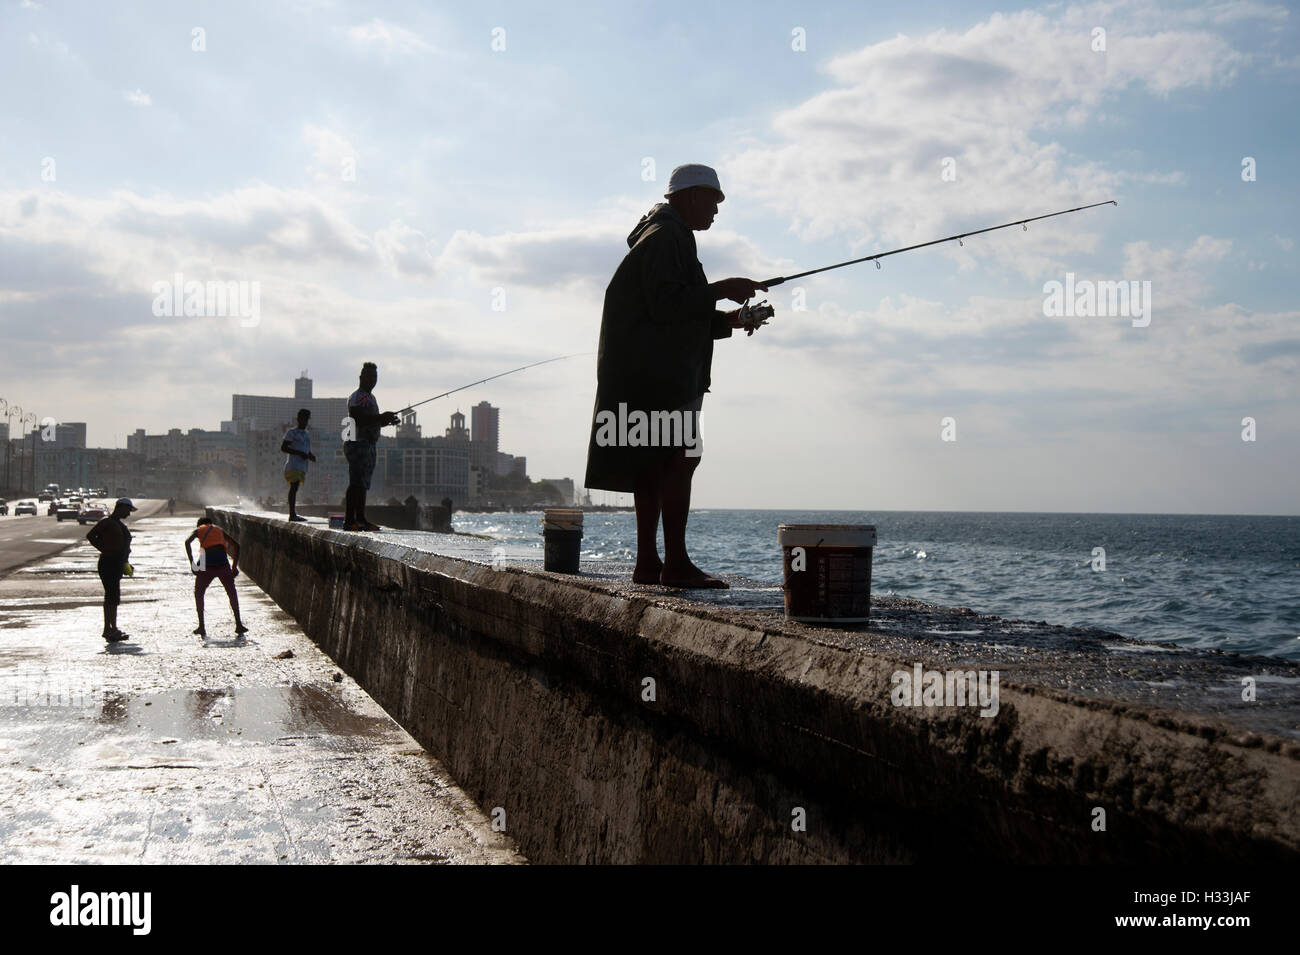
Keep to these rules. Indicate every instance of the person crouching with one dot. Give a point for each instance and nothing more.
(219, 559)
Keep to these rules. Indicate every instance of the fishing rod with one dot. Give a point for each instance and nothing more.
(753, 317)
(921, 245)
(490, 378)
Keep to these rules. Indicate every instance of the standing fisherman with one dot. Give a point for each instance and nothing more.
(367, 419)
(113, 541)
(656, 350)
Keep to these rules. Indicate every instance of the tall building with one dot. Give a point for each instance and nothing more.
(70, 434)
(484, 436)
(272, 412)
(485, 424)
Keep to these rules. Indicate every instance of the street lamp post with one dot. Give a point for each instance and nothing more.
(10, 412)
(30, 420)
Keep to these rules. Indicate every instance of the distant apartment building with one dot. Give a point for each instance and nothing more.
(70, 434)
(273, 412)
(484, 436)
(429, 469)
(485, 424)
(506, 464)
(564, 486)
(174, 447)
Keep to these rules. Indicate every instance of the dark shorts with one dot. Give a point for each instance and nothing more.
(110, 574)
(361, 462)
(205, 577)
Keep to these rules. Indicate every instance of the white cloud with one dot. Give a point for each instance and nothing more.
(387, 37)
(405, 251)
(138, 97)
(581, 253)
(330, 150)
(865, 159)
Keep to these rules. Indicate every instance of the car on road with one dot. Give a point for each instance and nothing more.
(53, 508)
(44, 497)
(25, 507)
(67, 511)
(91, 512)
(4, 506)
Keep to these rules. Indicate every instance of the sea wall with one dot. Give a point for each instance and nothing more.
(416, 517)
(607, 727)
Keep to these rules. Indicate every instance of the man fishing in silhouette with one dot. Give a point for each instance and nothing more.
(360, 451)
(656, 350)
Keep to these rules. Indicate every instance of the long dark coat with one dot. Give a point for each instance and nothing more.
(656, 339)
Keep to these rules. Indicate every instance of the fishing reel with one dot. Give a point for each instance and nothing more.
(753, 317)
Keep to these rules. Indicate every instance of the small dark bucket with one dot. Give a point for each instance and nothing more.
(827, 571)
(562, 530)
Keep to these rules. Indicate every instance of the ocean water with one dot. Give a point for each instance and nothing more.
(1231, 583)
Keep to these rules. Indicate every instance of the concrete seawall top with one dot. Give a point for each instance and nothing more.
(1192, 755)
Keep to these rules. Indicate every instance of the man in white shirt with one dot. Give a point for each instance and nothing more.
(297, 444)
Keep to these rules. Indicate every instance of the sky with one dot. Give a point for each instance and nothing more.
(446, 191)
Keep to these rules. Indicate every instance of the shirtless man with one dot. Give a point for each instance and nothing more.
(113, 541)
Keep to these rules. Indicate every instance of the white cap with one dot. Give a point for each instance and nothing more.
(691, 175)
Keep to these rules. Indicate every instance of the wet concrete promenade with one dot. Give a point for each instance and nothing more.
(173, 749)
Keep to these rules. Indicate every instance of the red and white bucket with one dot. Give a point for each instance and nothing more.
(827, 571)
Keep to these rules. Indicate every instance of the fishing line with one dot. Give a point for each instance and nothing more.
(492, 378)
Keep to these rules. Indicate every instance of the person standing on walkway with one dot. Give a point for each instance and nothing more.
(656, 351)
(360, 452)
(297, 444)
(113, 541)
(171, 506)
(219, 559)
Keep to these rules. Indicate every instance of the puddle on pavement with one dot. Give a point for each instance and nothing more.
(256, 714)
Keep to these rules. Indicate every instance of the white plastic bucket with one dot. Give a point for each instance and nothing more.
(827, 571)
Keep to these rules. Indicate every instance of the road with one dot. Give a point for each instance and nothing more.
(170, 748)
(24, 539)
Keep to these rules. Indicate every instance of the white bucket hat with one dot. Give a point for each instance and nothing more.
(692, 175)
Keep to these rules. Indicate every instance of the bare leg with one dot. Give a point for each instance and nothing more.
(678, 570)
(648, 498)
(293, 499)
(201, 582)
(228, 581)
